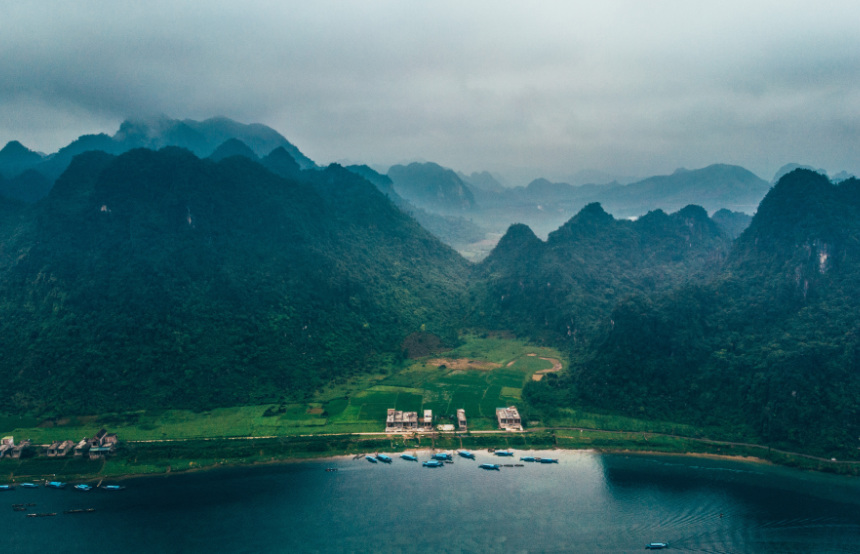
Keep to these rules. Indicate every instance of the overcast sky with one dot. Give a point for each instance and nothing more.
(525, 89)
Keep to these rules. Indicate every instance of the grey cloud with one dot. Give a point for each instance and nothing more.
(546, 89)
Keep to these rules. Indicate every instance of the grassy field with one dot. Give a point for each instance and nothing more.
(357, 406)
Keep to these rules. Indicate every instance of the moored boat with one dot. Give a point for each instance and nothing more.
(7, 487)
(371, 459)
(549, 460)
(527, 458)
(466, 454)
(503, 453)
(409, 457)
(432, 463)
(656, 545)
(383, 458)
(29, 486)
(83, 487)
(490, 466)
(55, 485)
(112, 487)
(442, 456)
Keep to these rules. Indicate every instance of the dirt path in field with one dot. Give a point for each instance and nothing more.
(463, 363)
(556, 366)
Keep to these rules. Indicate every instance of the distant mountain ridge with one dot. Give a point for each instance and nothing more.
(201, 137)
(431, 186)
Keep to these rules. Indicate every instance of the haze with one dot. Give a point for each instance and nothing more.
(521, 89)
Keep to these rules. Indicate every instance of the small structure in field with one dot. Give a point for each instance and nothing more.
(428, 419)
(509, 419)
(397, 421)
(6, 445)
(461, 419)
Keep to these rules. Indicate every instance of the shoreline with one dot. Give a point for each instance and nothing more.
(170, 457)
(236, 464)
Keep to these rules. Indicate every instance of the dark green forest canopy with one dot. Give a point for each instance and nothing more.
(770, 347)
(158, 279)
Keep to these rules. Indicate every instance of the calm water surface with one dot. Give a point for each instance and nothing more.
(587, 503)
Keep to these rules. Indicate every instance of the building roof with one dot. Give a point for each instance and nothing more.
(508, 413)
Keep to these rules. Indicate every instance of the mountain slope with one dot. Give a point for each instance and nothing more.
(563, 288)
(770, 348)
(432, 187)
(159, 279)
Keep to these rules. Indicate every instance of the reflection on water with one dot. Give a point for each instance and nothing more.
(586, 503)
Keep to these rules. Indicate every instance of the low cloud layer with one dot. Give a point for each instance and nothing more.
(631, 88)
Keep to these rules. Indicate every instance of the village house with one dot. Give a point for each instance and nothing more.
(509, 419)
(101, 445)
(60, 449)
(82, 447)
(461, 419)
(397, 421)
(428, 419)
(19, 449)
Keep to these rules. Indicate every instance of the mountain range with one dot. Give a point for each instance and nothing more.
(766, 348)
(241, 272)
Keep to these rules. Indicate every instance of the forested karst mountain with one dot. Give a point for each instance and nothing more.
(160, 279)
(201, 137)
(453, 230)
(770, 347)
(432, 187)
(564, 288)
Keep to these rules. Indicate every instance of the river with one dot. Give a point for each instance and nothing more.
(588, 502)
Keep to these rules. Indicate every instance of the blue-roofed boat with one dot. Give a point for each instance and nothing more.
(527, 458)
(113, 487)
(7, 487)
(549, 460)
(432, 463)
(504, 453)
(442, 456)
(56, 485)
(466, 454)
(490, 466)
(29, 486)
(371, 459)
(383, 458)
(409, 457)
(83, 487)
(656, 545)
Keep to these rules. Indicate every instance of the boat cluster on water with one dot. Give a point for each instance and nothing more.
(83, 487)
(439, 459)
